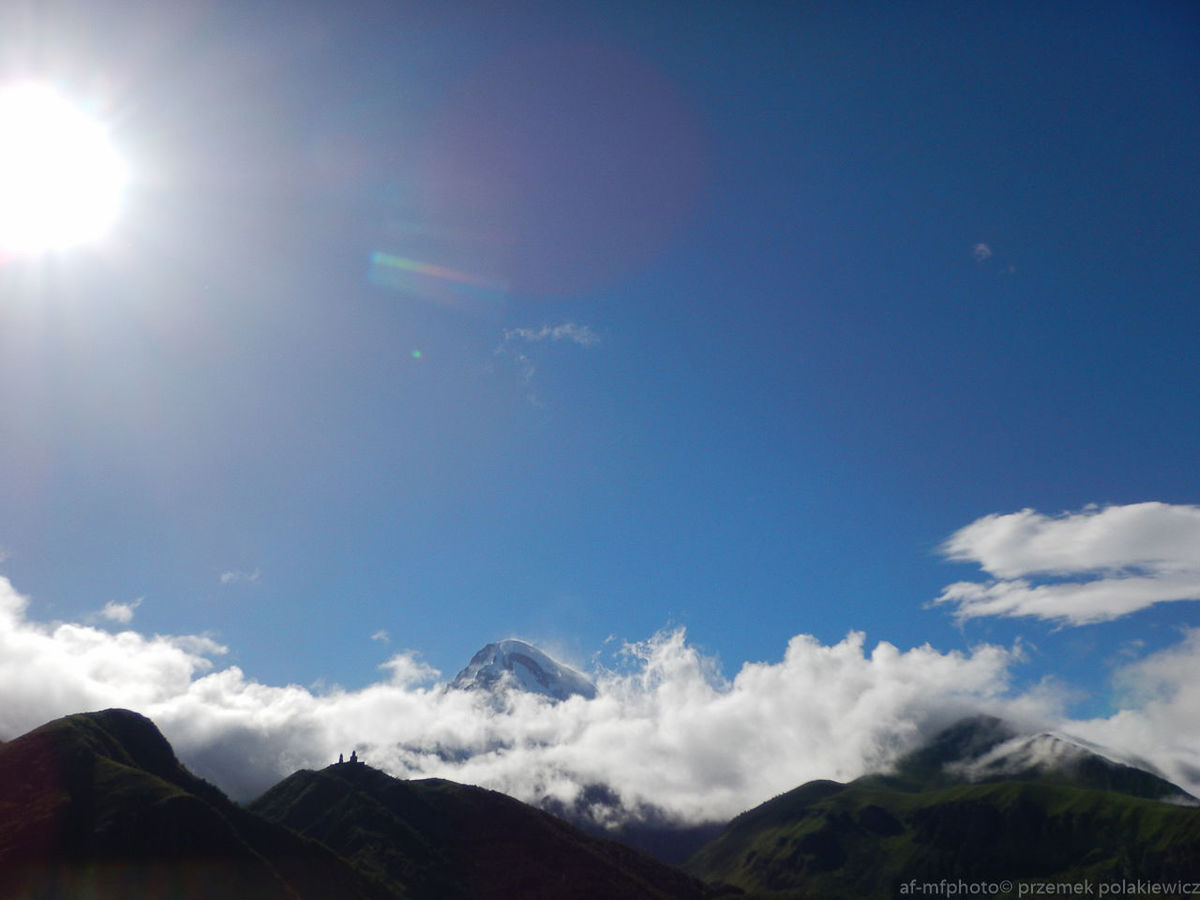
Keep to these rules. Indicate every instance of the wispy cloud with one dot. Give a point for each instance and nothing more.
(513, 347)
(1093, 565)
(408, 670)
(120, 612)
(981, 252)
(382, 637)
(1159, 721)
(236, 577)
(567, 331)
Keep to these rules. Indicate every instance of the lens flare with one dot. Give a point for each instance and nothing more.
(438, 284)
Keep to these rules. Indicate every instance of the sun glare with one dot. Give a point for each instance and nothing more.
(61, 180)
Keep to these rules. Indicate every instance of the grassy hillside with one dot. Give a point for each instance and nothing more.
(96, 805)
(438, 839)
(865, 839)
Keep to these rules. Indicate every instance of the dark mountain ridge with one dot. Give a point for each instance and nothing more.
(438, 839)
(97, 805)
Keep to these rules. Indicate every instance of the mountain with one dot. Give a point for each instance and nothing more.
(984, 749)
(1044, 808)
(437, 839)
(96, 805)
(516, 664)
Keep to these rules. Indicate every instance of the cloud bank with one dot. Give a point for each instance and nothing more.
(1094, 565)
(666, 730)
(667, 734)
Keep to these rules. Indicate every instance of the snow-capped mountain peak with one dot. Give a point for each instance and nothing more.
(514, 664)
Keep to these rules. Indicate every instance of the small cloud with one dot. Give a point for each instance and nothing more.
(408, 670)
(1094, 565)
(981, 252)
(1129, 650)
(234, 577)
(568, 331)
(525, 367)
(510, 347)
(382, 636)
(120, 612)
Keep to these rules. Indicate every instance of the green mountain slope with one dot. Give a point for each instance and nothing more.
(1086, 820)
(96, 805)
(438, 839)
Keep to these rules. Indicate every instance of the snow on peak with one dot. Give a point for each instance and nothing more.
(516, 664)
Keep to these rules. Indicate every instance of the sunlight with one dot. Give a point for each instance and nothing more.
(61, 180)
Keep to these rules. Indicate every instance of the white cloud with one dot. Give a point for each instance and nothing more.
(407, 669)
(236, 577)
(1159, 721)
(666, 728)
(120, 612)
(1089, 566)
(567, 331)
(981, 252)
(382, 637)
(510, 347)
(47, 670)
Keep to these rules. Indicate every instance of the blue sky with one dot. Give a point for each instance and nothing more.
(444, 323)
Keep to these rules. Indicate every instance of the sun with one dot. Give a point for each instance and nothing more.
(61, 179)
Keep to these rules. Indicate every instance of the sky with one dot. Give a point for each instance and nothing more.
(802, 372)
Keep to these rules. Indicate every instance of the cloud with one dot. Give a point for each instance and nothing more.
(510, 347)
(235, 577)
(382, 636)
(120, 612)
(1093, 565)
(1159, 722)
(406, 669)
(666, 731)
(981, 252)
(47, 670)
(568, 331)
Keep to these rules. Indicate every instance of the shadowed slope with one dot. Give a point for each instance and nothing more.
(439, 839)
(97, 805)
